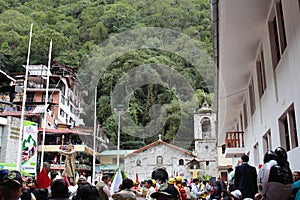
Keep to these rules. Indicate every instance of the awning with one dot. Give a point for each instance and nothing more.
(40, 108)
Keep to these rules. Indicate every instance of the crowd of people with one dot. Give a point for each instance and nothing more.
(273, 181)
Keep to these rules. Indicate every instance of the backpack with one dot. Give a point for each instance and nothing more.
(182, 193)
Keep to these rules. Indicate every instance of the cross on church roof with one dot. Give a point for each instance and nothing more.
(159, 137)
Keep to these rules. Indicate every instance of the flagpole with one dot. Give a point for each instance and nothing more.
(20, 148)
(45, 109)
(95, 132)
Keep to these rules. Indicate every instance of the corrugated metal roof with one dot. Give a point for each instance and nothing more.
(115, 152)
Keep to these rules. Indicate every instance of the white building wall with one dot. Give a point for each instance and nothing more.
(149, 162)
(282, 88)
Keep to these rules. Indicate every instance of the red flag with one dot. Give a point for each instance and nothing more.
(65, 178)
(54, 160)
(136, 177)
(43, 179)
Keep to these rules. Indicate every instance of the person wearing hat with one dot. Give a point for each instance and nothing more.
(171, 189)
(161, 195)
(11, 186)
(235, 195)
(180, 188)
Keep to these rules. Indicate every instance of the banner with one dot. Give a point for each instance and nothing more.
(29, 147)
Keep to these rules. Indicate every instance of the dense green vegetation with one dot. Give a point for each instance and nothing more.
(77, 27)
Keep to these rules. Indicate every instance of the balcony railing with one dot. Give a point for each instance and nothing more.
(235, 140)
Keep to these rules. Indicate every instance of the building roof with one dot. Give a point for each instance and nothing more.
(5, 77)
(160, 142)
(18, 114)
(115, 152)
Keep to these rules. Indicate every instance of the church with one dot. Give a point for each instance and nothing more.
(176, 161)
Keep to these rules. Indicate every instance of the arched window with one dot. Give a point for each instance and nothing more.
(206, 128)
(181, 162)
(138, 163)
(159, 160)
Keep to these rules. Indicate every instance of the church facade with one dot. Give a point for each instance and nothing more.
(203, 161)
(158, 155)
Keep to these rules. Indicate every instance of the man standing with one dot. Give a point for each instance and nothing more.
(103, 189)
(245, 178)
(230, 179)
(11, 186)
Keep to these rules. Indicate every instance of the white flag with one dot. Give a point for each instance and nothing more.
(116, 182)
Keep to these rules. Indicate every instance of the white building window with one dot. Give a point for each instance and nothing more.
(159, 160)
(181, 162)
(252, 96)
(288, 130)
(267, 142)
(206, 128)
(256, 154)
(245, 114)
(261, 74)
(277, 34)
(138, 163)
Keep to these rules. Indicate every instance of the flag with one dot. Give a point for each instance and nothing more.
(136, 177)
(54, 160)
(65, 178)
(43, 180)
(116, 182)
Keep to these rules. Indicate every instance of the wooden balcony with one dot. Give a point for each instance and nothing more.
(235, 145)
(77, 148)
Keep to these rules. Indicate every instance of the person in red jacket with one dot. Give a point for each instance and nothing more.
(180, 188)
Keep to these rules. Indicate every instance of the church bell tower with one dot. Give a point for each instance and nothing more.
(205, 140)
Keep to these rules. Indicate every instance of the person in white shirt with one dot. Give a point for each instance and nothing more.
(197, 192)
(151, 189)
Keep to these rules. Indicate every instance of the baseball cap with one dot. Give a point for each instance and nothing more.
(3, 173)
(171, 180)
(178, 179)
(12, 177)
(237, 194)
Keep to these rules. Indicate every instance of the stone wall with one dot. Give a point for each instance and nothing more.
(148, 162)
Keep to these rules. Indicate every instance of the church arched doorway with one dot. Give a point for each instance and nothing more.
(160, 174)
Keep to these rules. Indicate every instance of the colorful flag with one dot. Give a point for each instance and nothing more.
(43, 179)
(136, 177)
(116, 182)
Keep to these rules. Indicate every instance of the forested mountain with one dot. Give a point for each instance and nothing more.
(77, 27)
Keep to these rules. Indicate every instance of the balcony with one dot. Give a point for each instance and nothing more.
(235, 146)
(34, 100)
(77, 148)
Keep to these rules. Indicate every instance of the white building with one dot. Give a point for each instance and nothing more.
(158, 155)
(256, 46)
